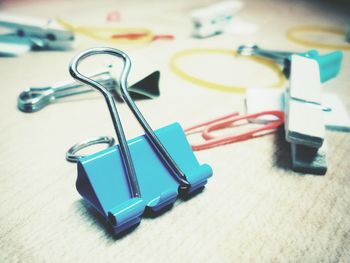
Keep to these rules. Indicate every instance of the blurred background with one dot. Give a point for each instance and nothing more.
(255, 207)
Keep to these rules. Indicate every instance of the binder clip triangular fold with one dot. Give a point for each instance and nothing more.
(146, 88)
(149, 171)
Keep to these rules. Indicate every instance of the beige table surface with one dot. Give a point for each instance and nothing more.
(254, 208)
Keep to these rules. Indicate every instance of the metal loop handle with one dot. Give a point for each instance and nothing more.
(36, 98)
(153, 139)
(125, 152)
(71, 155)
(254, 50)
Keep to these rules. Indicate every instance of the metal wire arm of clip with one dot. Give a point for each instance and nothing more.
(153, 139)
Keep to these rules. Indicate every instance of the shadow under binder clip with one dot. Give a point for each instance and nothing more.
(329, 64)
(149, 171)
(36, 98)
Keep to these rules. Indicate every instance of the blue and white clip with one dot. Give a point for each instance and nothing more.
(147, 172)
(329, 64)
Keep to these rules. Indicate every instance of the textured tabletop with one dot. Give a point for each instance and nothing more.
(253, 209)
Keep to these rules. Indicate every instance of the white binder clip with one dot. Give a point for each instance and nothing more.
(304, 113)
(304, 124)
(212, 20)
(308, 112)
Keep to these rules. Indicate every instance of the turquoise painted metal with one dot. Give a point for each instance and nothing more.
(147, 172)
(329, 64)
(102, 180)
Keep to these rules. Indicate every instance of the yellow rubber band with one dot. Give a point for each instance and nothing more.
(105, 33)
(217, 86)
(293, 35)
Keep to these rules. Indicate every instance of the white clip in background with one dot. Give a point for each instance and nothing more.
(305, 97)
(304, 113)
(258, 100)
(212, 20)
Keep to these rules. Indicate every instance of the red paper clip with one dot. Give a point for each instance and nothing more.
(133, 36)
(228, 120)
(130, 35)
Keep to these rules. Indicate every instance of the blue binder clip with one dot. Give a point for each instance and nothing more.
(147, 172)
(329, 64)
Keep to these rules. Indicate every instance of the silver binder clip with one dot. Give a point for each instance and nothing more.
(254, 50)
(32, 33)
(36, 98)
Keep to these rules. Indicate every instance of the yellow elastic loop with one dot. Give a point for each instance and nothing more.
(217, 86)
(293, 35)
(105, 33)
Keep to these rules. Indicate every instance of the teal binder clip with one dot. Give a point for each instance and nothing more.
(329, 64)
(147, 172)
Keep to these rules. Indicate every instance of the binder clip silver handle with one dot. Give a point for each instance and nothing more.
(254, 50)
(153, 139)
(36, 98)
(71, 155)
(125, 152)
